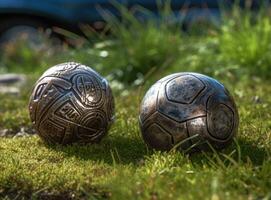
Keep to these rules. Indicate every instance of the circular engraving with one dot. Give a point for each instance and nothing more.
(71, 103)
(88, 89)
(92, 127)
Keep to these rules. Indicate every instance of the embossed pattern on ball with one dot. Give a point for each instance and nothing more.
(71, 103)
(188, 111)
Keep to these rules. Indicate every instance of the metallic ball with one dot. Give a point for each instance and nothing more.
(188, 111)
(71, 103)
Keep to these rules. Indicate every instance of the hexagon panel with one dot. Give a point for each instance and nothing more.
(158, 138)
(184, 89)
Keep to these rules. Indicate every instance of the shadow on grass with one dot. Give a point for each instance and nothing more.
(131, 150)
(112, 149)
(249, 152)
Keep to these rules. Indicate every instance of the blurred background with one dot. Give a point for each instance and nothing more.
(127, 39)
(132, 43)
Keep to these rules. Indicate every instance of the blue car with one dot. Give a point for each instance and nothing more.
(18, 16)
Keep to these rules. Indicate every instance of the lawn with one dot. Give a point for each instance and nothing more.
(121, 166)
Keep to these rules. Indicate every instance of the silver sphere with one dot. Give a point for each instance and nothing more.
(188, 111)
(71, 103)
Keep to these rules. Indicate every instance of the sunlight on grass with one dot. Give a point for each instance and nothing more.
(121, 166)
(245, 39)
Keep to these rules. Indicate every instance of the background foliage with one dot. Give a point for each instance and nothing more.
(133, 57)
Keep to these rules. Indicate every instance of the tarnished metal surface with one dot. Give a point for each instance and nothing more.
(188, 110)
(71, 103)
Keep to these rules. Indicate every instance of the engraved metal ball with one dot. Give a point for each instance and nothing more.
(188, 112)
(71, 103)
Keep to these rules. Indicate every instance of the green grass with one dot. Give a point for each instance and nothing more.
(121, 166)
(245, 40)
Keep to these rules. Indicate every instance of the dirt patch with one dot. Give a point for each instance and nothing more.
(22, 132)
